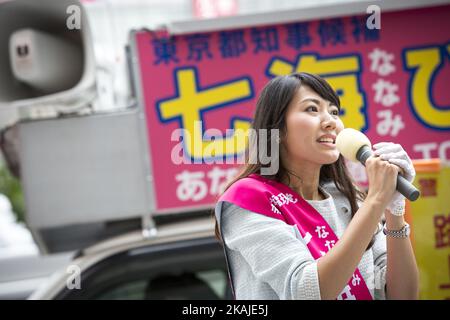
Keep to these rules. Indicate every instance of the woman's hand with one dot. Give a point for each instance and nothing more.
(395, 154)
(382, 176)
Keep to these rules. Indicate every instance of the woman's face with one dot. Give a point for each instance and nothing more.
(311, 121)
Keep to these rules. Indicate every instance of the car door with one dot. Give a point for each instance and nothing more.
(188, 269)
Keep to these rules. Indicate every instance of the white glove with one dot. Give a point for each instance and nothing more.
(395, 154)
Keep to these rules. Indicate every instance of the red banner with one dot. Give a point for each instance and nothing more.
(392, 82)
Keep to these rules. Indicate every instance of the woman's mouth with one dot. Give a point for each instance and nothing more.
(328, 141)
(328, 144)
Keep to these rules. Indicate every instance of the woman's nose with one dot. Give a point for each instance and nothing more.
(328, 121)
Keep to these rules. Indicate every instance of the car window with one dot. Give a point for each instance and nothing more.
(134, 290)
(210, 284)
(190, 269)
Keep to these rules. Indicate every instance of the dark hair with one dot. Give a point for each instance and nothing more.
(270, 113)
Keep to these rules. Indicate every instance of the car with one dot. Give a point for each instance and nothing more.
(182, 260)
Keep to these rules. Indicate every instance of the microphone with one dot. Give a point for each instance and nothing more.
(355, 146)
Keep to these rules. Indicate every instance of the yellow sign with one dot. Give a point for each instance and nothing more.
(430, 223)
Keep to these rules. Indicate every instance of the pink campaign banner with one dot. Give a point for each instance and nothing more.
(393, 85)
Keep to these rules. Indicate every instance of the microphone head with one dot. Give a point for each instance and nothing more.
(349, 141)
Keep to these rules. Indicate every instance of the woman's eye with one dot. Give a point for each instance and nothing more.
(335, 112)
(311, 108)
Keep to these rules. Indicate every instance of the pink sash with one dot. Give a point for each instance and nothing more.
(276, 200)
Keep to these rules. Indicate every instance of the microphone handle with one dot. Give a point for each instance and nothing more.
(405, 187)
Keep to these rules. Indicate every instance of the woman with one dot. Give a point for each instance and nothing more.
(291, 251)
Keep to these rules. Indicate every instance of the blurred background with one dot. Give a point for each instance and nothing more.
(93, 201)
